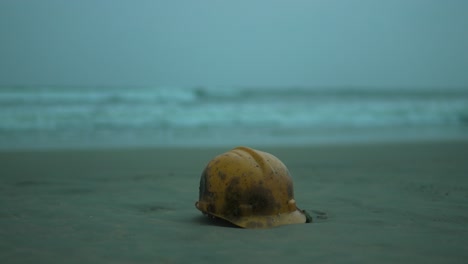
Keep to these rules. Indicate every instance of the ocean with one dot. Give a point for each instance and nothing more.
(109, 117)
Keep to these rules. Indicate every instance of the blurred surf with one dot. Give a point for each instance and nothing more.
(169, 116)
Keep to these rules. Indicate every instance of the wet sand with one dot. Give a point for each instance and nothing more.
(374, 203)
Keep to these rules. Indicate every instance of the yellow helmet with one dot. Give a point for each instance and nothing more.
(249, 188)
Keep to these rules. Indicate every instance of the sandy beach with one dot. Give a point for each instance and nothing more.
(372, 203)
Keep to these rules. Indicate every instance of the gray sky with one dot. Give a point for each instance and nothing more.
(243, 42)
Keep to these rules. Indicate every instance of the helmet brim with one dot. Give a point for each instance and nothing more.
(268, 221)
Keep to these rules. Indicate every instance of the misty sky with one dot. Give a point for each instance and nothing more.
(234, 43)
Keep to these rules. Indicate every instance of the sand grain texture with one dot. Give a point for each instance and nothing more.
(381, 203)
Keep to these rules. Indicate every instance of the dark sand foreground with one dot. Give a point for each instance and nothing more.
(386, 203)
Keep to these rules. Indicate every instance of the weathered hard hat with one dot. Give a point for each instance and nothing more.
(249, 188)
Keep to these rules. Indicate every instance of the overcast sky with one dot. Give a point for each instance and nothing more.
(231, 43)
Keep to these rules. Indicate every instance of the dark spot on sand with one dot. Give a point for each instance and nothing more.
(152, 208)
(75, 191)
(318, 216)
(155, 208)
(30, 183)
(142, 177)
(10, 215)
